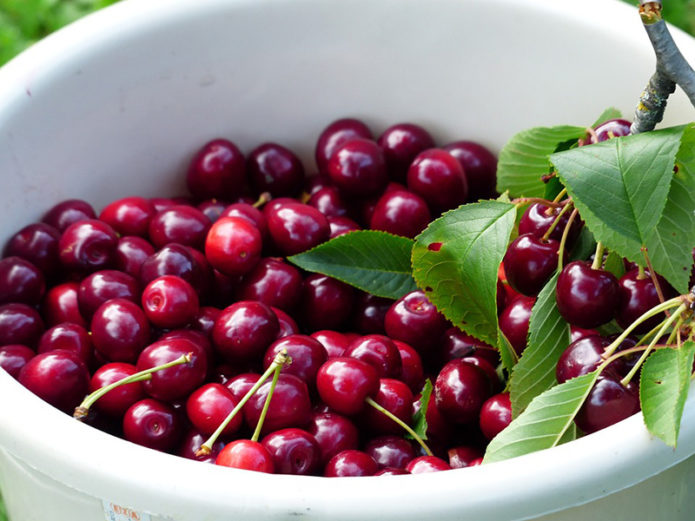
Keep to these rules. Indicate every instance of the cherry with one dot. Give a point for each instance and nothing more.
(335, 135)
(637, 296)
(341, 226)
(275, 169)
(71, 337)
(530, 262)
(273, 282)
(192, 441)
(198, 338)
(117, 401)
(38, 244)
(249, 212)
(329, 202)
(100, 286)
(358, 168)
(334, 343)
(307, 356)
(400, 212)
(170, 302)
(479, 166)
(495, 415)
(88, 245)
(131, 253)
(401, 144)
(61, 305)
(120, 330)
(152, 424)
(609, 129)
(294, 451)
(286, 324)
(380, 352)
(129, 216)
(240, 384)
(244, 330)
(538, 218)
(212, 208)
(463, 456)
(388, 471)
(457, 344)
(181, 224)
(414, 320)
(608, 402)
(439, 429)
(173, 259)
(514, 321)
(57, 377)
(20, 281)
(204, 322)
(333, 432)
(216, 170)
(390, 451)
(587, 297)
(577, 332)
(460, 390)
(344, 384)
(369, 313)
(13, 357)
(397, 398)
(20, 324)
(581, 357)
(350, 463)
(437, 177)
(209, 405)
(247, 455)
(424, 464)
(412, 372)
(326, 303)
(487, 368)
(65, 213)
(290, 405)
(295, 227)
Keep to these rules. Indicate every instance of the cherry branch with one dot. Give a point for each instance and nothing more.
(671, 69)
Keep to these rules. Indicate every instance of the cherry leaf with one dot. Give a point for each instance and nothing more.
(609, 113)
(664, 384)
(614, 264)
(419, 418)
(373, 261)
(455, 261)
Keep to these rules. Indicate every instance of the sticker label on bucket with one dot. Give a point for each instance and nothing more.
(113, 512)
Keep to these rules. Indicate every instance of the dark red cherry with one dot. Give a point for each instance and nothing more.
(495, 415)
(87, 246)
(344, 384)
(129, 216)
(290, 405)
(609, 129)
(326, 302)
(244, 330)
(13, 357)
(333, 432)
(246, 455)
(479, 166)
(61, 305)
(390, 451)
(286, 324)
(191, 443)
(212, 208)
(206, 319)
(341, 226)
(20, 324)
(350, 463)
(577, 332)
(401, 144)
(369, 313)
(249, 212)
(275, 169)
(117, 401)
(437, 177)
(439, 429)
(335, 135)
(273, 282)
(414, 320)
(58, 377)
(180, 224)
(530, 262)
(294, 451)
(397, 398)
(20, 281)
(295, 227)
(307, 355)
(514, 321)
(587, 297)
(120, 330)
(209, 405)
(400, 212)
(170, 302)
(358, 168)
(65, 213)
(424, 464)
(38, 244)
(460, 390)
(152, 424)
(463, 456)
(131, 252)
(412, 372)
(329, 202)
(71, 337)
(334, 343)
(457, 344)
(380, 352)
(639, 295)
(173, 259)
(217, 170)
(100, 286)
(581, 357)
(608, 402)
(538, 218)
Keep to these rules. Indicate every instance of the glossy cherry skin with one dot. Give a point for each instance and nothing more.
(21, 282)
(120, 330)
(577, 332)
(286, 324)
(457, 344)
(290, 405)
(401, 144)
(326, 303)
(530, 262)
(412, 371)
(587, 297)
(350, 463)
(294, 451)
(295, 227)
(335, 135)
(463, 456)
(344, 384)
(639, 295)
(538, 218)
(334, 343)
(273, 282)
(71, 337)
(358, 168)
(38, 244)
(60, 304)
(397, 398)
(100, 286)
(58, 377)
(212, 208)
(333, 432)
(13, 357)
(216, 170)
(479, 166)
(152, 424)
(87, 246)
(307, 355)
(117, 401)
(173, 259)
(209, 405)
(191, 443)
(129, 215)
(437, 177)
(495, 415)
(439, 430)
(369, 313)
(460, 390)
(240, 384)
(20, 324)
(424, 464)
(249, 212)
(390, 451)
(275, 169)
(380, 352)
(609, 129)
(329, 201)
(246, 455)
(175, 382)
(514, 321)
(413, 319)
(131, 252)
(170, 302)
(400, 212)
(581, 357)
(65, 213)
(233, 246)
(608, 402)
(244, 330)
(179, 224)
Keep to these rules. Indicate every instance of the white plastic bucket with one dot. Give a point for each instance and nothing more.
(116, 104)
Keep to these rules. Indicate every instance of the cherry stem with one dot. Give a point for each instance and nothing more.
(82, 410)
(554, 224)
(266, 404)
(559, 196)
(667, 323)
(280, 360)
(262, 199)
(563, 240)
(524, 200)
(672, 303)
(641, 275)
(400, 422)
(598, 256)
(652, 274)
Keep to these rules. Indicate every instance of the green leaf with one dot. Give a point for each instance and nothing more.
(584, 246)
(455, 261)
(620, 186)
(614, 264)
(524, 159)
(419, 418)
(373, 261)
(545, 421)
(609, 113)
(664, 387)
(670, 244)
(507, 353)
(548, 337)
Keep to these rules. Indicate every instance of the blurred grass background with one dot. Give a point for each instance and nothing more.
(23, 22)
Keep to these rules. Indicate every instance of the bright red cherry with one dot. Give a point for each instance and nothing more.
(103, 285)
(244, 330)
(307, 355)
(273, 282)
(380, 352)
(538, 218)
(65, 213)
(131, 252)
(344, 384)
(170, 302)
(152, 424)
(120, 330)
(424, 464)
(397, 398)
(233, 246)
(390, 451)
(333, 432)
(117, 401)
(414, 320)
(350, 463)
(246, 455)
(295, 227)
(60, 304)
(87, 246)
(209, 405)
(71, 337)
(129, 216)
(290, 405)
(294, 451)
(463, 456)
